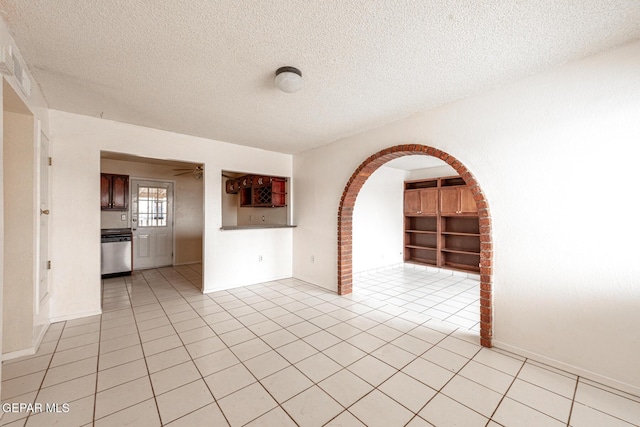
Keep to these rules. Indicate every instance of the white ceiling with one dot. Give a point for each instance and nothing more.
(411, 163)
(131, 158)
(206, 68)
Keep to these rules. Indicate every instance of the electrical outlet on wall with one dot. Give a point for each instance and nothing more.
(123, 217)
(259, 258)
(313, 258)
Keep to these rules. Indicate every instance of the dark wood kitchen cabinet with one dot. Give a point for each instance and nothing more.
(114, 192)
(259, 190)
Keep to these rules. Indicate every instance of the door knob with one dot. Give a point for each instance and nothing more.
(44, 212)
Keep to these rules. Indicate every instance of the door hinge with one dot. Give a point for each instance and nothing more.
(50, 161)
(48, 265)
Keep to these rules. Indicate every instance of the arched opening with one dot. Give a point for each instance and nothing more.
(345, 224)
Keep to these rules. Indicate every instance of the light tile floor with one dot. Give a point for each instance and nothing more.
(401, 350)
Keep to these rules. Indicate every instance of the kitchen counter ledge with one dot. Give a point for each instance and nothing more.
(255, 227)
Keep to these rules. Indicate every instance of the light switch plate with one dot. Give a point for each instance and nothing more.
(123, 217)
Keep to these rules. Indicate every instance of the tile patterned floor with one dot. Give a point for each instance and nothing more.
(400, 351)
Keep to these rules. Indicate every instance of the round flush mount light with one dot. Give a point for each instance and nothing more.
(288, 79)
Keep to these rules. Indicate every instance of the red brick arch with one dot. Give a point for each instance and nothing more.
(345, 221)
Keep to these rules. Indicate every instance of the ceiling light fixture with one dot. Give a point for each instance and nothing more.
(288, 79)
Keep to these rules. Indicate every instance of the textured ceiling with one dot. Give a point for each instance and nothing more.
(131, 158)
(206, 68)
(411, 163)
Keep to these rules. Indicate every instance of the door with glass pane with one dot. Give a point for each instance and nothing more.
(152, 223)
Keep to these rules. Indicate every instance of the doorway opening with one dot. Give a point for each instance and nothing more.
(345, 224)
(164, 209)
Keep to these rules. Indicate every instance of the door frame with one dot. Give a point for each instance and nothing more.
(173, 213)
(345, 224)
(42, 300)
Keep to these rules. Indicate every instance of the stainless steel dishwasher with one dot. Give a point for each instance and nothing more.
(116, 252)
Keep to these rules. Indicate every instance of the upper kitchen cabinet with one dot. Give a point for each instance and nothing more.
(442, 227)
(421, 202)
(114, 192)
(456, 198)
(421, 198)
(259, 190)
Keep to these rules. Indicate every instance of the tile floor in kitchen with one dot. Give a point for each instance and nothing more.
(401, 350)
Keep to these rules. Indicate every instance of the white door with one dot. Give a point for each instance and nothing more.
(152, 223)
(43, 259)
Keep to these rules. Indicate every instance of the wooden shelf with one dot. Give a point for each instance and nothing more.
(461, 267)
(452, 233)
(442, 227)
(458, 251)
(421, 247)
(422, 261)
(420, 183)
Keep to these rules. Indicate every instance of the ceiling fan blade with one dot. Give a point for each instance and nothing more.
(183, 173)
(183, 169)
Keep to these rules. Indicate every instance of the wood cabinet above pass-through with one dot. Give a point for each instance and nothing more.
(259, 190)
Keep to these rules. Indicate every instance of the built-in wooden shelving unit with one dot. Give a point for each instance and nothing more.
(441, 225)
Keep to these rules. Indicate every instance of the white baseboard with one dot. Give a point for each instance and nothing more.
(31, 350)
(19, 353)
(41, 335)
(240, 285)
(585, 373)
(75, 316)
(441, 271)
(379, 269)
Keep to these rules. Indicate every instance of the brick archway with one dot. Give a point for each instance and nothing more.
(345, 222)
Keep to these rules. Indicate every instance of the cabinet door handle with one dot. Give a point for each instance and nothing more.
(44, 212)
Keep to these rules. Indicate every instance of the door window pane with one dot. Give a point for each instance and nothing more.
(152, 207)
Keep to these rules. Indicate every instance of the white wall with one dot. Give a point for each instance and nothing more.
(555, 155)
(378, 221)
(261, 216)
(2, 199)
(1, 225)
(37, 107)
(230, 257)
(229, 208)
(20, 249)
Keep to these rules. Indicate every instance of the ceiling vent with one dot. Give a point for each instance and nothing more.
(6, 61)
(26, 84)
(21, 76)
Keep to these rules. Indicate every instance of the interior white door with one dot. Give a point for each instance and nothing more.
(152, 223)
(43, 283)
